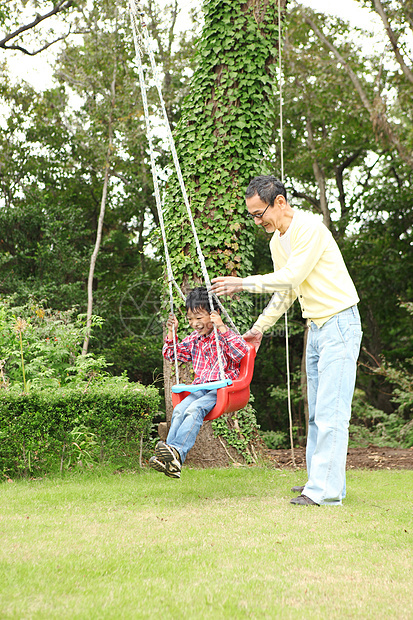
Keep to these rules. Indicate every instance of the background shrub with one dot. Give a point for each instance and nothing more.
(53, 429)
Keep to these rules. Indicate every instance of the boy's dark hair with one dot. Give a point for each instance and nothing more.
(267, 187)
(198, 298)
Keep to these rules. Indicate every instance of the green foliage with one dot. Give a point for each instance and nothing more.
(239, 431)
(334, 137)
(140, 357)
(277, 390)
(51, 429)
(373, 426)
(32, 26)
(396, 428)
(51, 159)
(51, 347)
(275, 440)
(381, 260)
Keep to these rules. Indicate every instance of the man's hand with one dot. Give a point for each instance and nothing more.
(227, 285)
(254, 337)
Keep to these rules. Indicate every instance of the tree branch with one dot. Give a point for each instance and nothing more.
(101, 214)
(340, 185)
(364, 184)
(171, 34)
(377, 109)
(393, 40)
(60, 6)
(120, 176)
(319, 174)
(19, 48)
(313, 201)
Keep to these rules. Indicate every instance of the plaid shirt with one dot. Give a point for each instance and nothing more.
(202, 352)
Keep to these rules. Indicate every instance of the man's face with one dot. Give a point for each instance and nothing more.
(269, 217)
(200, 321)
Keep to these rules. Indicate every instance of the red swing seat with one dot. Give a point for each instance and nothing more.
(231, 397)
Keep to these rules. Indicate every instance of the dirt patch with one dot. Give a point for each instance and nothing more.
(371, 457)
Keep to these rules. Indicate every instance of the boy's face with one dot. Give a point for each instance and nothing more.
(200, 321)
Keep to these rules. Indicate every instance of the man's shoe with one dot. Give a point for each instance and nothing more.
(171, 457)
(297, 489)
(303, 500)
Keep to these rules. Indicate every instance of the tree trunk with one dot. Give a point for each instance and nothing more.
(225, 128)
(100, 223)
(93, 262)
(393, 40)
(319, 176)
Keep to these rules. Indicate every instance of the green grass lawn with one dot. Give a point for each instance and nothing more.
(216, 544)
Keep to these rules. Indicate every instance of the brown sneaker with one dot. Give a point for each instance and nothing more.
(303, 500)
(297, 490)
(170, 456)
(166, 468)
(155, 463)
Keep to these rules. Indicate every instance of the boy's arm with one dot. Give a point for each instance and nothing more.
(232, 345)
(182, 348)
(235, 346)
(218, 322)
(172, 326)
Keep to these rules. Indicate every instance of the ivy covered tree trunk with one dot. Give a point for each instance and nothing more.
(222, 137)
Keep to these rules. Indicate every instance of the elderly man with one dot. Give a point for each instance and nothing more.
(308, 265)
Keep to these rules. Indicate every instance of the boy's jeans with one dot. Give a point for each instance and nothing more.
(331, 358)
(187, 419)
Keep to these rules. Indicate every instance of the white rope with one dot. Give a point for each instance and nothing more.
(287, 347)
(156, 185)
(146, 43)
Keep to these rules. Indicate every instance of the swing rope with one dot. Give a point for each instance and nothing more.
(142, 84)
(144, 43)
(287, 347)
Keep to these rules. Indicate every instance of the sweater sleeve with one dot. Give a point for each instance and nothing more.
(310, 243)
(278, 305)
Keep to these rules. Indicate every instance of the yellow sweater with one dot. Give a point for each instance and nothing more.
(315, 273)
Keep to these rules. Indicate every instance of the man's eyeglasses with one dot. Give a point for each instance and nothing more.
(258, 216)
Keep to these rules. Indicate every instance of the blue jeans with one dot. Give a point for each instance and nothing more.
(187, 419)
(331, 358)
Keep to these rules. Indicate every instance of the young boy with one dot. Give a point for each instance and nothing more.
(200, 349)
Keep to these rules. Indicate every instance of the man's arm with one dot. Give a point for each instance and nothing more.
(308, 248)
(309, 245)
(278, 305)
(254, 337)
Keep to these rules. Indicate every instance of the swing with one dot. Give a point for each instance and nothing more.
(232, 395)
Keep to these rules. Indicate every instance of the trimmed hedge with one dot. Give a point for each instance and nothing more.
(56, 429)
